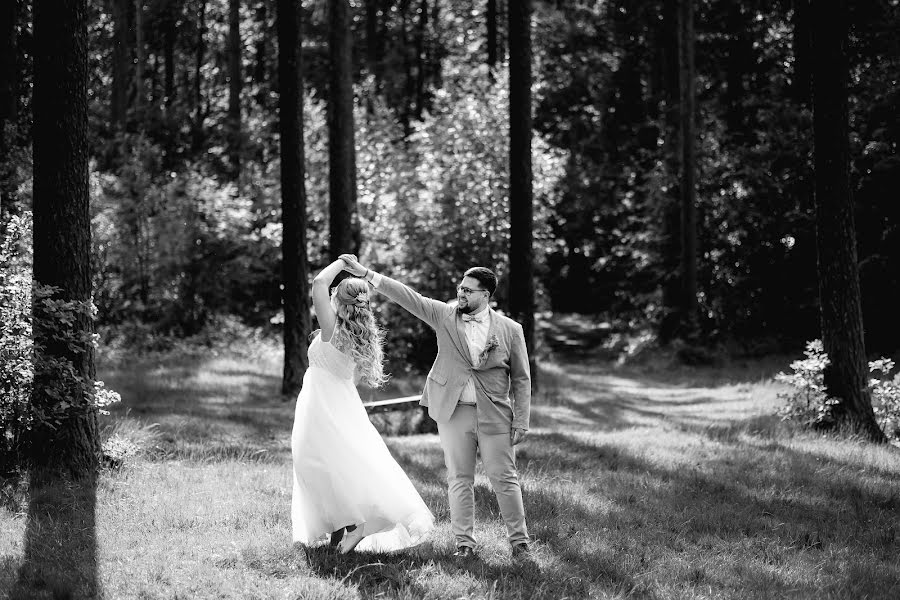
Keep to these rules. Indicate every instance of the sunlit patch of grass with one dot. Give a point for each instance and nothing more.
(636, 485)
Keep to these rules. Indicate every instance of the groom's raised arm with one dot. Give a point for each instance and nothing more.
(429, 310)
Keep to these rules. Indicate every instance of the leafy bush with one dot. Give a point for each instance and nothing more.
(808, 403)
(31, 320)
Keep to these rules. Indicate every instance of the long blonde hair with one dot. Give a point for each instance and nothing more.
(355, 331)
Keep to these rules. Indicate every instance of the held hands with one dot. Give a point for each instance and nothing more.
(352, 265)
(517, 436)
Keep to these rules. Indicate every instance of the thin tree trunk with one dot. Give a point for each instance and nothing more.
(198, 134)
(62, 232)
(841, 313)
(801, 83)
(491, 33)
(670, 324)
(408, 84)
(234, 86)
(169, 38)
(421, 59)
(8, 100)
(521, 248)
(690, 310)
(260, 52)
(373, 42)
(139, 55)
(297, 322)
(343, 224)
(121, 62)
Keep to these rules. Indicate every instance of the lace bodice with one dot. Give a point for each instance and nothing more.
(325, 356)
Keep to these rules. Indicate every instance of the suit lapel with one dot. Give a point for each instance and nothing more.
(458, 335)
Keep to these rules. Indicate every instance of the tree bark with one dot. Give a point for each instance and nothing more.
(8, 99)
(198, 134)
(297, 321)
(491, 34)
(521, 247)
(343, 225)
(62, 232)
(801, 83)
(686, 80)
(421, 59)
(123, 29)
(260, 53)
(839, 295)
(234, 87)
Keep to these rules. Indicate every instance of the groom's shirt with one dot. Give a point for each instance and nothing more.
(476, 327)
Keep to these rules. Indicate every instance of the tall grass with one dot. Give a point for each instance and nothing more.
(638, 483)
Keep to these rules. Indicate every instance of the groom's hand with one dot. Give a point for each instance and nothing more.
(353, 264)
(517, 436)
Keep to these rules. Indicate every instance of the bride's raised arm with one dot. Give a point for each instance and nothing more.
(321, 293)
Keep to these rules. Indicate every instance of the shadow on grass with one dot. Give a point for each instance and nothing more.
(60, 557)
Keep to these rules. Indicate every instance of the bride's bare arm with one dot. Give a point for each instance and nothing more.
(321, 293)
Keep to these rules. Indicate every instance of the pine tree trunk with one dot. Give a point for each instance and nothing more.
(62, 233)
(689, 306)
(373, 42)
(297, 322)
(491, 33)
(169, 38)
(260, 53)
(343, 226)
(123, 30)
(139, 55)
(670, 325)
(521, 249)
(234, 86)
(8, 100)
(421, 59)
(801, 83)
(198, 133)
(841, 313)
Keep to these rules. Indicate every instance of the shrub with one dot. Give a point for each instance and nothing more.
(808, 403)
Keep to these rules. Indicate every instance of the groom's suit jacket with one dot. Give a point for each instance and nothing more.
(502, 380)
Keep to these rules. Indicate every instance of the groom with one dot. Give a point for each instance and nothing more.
(478, 391)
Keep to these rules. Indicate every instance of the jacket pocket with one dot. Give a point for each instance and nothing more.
(438, 377)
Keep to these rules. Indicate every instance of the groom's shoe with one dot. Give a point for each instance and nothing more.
(351, 540)
(521, 550)
(464, 552)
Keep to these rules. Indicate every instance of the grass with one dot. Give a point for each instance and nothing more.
(639, 482)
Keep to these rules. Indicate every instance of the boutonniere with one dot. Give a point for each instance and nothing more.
(492, 343)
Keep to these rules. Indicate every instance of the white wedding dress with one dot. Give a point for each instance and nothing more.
(343, 472)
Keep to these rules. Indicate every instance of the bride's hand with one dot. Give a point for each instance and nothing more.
(352, 264)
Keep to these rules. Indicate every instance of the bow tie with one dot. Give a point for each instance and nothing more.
(477, 318)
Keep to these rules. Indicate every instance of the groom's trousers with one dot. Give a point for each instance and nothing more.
(461, 440)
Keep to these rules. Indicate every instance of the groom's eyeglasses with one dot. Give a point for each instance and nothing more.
(467, 291)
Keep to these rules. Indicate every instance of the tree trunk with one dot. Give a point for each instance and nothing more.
(139, 56)
(234, 87)
(521, 248)
(123, 29)
(343, 225)
(421, 59)
(801, 83)
(689, 306)
(491, 33)
(260, 52)
(198, 135)
(841, 313)
(62, 232)
(8, 100)
(169, 37)
(297, 321)
(373, 42)
(736, 67)
(670, 324)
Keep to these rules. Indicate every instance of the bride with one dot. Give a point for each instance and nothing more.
(347, 486)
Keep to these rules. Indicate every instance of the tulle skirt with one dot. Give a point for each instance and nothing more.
(344, 473)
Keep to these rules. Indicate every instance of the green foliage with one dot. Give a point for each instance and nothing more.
(39, 341)
(808, 403)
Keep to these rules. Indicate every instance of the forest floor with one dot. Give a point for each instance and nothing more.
(640, 481)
